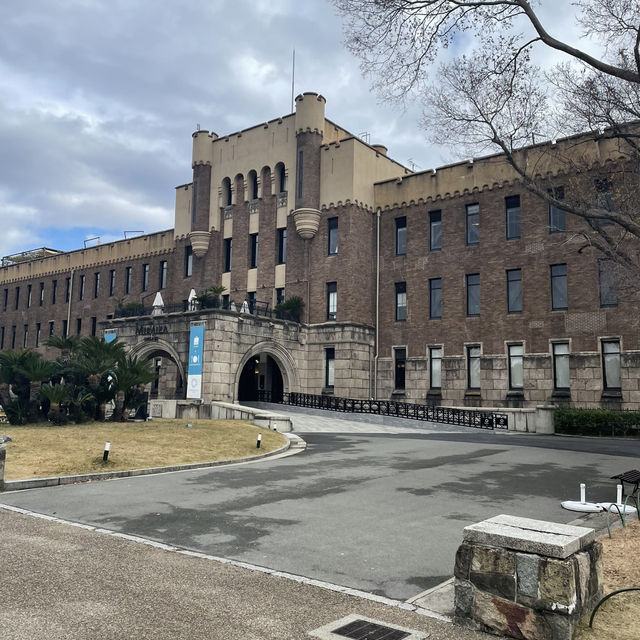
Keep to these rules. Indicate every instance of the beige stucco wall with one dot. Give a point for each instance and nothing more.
(543, 160)
(183, 210)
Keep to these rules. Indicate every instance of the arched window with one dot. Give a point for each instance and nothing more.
(239, 184)
(252, 180)
(281, 178)
(226, 192)
(266, 182)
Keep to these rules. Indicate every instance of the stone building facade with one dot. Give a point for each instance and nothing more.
(455, 286)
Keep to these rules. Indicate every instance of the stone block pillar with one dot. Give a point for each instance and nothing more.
(3, 454)
(526, 579)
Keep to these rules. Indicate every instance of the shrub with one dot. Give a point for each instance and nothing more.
(597, 422)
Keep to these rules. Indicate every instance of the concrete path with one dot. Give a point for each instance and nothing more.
(383, 513)
(64, 583)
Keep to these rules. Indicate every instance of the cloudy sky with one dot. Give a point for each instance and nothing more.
(98, 100)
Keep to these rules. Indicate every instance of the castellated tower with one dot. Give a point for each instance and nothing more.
(202, 161)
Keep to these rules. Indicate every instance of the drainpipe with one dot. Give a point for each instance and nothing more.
(69, 304)
(375, 359)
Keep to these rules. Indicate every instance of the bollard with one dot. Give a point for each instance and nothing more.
(3, 453)
(259, 441)
(105, 455)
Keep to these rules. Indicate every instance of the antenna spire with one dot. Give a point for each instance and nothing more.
(293, 78)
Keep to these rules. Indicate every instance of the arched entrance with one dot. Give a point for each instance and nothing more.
(260, 373)
(166, 363)
(266, 367)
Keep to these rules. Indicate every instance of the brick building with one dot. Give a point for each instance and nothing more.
(455, 286)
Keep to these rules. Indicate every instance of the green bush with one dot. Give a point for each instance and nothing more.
(597, 422)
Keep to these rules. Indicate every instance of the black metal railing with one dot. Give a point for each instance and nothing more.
(426, 412)
(258, 308)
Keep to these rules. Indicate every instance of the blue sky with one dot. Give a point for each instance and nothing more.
(99, 98)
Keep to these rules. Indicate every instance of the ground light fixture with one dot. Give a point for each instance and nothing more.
(105, 455)
(259, 441)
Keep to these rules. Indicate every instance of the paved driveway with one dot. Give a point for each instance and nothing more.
(381, 512)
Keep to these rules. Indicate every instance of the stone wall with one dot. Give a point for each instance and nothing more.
(526, 579)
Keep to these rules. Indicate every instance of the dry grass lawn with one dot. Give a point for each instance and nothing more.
(43, 450)
(619, 617)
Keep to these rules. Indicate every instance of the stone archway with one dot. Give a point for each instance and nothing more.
(272, 361)
(172, 380)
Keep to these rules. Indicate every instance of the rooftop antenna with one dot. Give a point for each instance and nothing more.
(413, 165)
(365, 136)
(293, 78)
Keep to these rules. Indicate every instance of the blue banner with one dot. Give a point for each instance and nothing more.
(194, 372)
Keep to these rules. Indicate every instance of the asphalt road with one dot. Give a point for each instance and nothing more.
(383, 513)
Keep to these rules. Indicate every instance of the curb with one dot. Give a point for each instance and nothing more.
(295, 444)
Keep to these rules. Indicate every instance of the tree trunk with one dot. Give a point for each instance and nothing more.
(118, 411)
(34, 402)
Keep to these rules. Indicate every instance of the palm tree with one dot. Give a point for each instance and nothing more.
(57, 395)
(66, 344)
(128, 380)
(37, 370)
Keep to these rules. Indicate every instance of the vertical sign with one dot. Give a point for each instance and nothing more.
(194, 372)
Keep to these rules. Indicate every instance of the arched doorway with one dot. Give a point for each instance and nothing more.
(260, 373)
(170, 381)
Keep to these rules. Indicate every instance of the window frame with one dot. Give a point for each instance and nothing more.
(561, 357)
(81, 287)
(435, 222)
(608, 294)
(399, 369)
(112, 282)
(401, 235)
(253, 250)
(329, 367)
(332, 301)
(162, 272)
(433, 308)
(228, 254)
(188, 261)
(512, 216)
(96, 285)
(432, 359)
(511, 282)
(471, 358)
(472, 224)
(555, 278)
(605, 383)
(401, 301)
(332, 236)
(557, 214)
(145, 276)
(512, 359)
(471, 288)
(282, 245)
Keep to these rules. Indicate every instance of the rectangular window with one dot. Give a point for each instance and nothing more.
(332, 300)
(112, 281)
(163, 275)
(604, 200)
(332, 232)
(435, 367)
(188, 262)
(6, 298)
(18, 296)
(253, 251)
(38, 334)
(607, 283)
(473, 367)
(13, 336)
(78, 326)
(473, 224)
(96, 284)
(226, 301)
(329, 367)
(54, 291)
(435, 230)
(227, 254)
(514, 290)
(81, 288)
(559, 296)
(611, 365)
(41, 295)
(435, 298)
(401, 301)
(279, 295)
(65, 329)
(512, 206)
(145, 277)
(473, 294)
(282, 246)
(127, 279)
(25, 337)
(557, 222)
(2, 338)
(400, 360)
(401, 236)
(51, 327)
(516, 353)
(300, 158)
(94, 325)
(561, 378)
(29, 287)
(67, 289)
